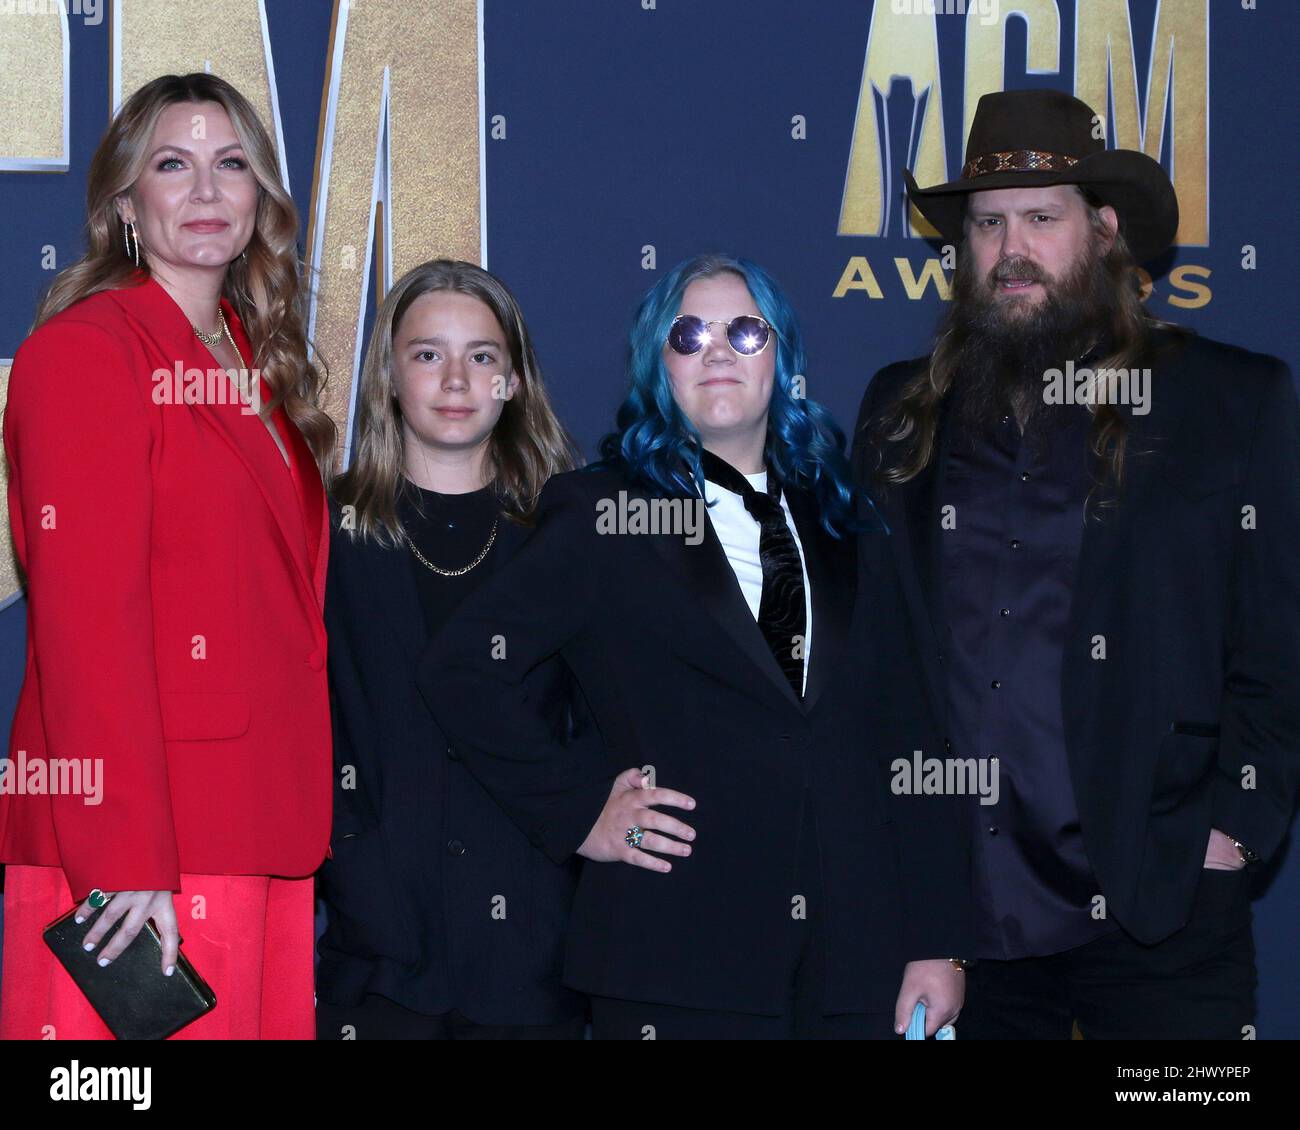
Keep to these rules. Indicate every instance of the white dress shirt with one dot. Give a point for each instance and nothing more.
(739, 532)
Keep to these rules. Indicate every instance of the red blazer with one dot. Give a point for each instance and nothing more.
(175, 582)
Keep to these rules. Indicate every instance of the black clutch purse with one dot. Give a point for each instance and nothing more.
(131, 994)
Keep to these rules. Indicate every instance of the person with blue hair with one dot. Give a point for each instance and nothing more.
(719, 593)
(670, 419)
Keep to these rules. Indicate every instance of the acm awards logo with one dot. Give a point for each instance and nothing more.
(370, 180)
(1168, 120)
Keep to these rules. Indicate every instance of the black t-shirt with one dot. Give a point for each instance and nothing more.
(450, 533)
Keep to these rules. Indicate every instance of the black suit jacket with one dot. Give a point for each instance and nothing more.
(1197, 600)
(435, 898)
(677, 675)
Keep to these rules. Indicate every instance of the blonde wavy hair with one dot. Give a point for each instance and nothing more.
(526, 447)
(264, 285)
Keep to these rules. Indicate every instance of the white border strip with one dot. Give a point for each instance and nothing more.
(115, 63)
(20, 591)
(59, 164)
(326, 157)
(274, 93)
(379, 191)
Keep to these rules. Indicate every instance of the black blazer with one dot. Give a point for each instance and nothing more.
(424, 862)
(677, 675)
(1200, 616)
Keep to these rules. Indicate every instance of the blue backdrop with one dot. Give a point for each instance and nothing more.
(675, 126)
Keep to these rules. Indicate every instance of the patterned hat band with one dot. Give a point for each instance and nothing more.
(1017, 161)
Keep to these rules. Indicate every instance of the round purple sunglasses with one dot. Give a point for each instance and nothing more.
(747, 335)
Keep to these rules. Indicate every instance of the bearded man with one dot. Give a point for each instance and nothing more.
(1097, 517)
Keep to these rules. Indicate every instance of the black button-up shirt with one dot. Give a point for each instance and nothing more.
(1008, 569)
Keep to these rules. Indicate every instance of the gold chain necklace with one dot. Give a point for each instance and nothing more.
(454, 572)
(214, 338)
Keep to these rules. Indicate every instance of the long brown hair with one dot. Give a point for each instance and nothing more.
(913, 421)
(526, 447)
(264, 285)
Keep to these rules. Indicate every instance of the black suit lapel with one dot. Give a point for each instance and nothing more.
(712, 584)
(1149, 445)
(922, 501)
(934, 528)
(914, 513)
(510, 536)
(391, 585)
(832, 572)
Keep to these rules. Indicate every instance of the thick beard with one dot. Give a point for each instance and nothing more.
(1003, 356)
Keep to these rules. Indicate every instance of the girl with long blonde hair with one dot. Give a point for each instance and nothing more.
(445, 922)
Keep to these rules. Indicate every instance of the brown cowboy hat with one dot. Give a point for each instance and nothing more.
(1028, 138)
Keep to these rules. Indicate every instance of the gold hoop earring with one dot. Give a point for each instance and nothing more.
(129, 237)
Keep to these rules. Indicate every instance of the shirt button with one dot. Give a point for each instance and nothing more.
(1015, 543)
(316, 660)
(996, 684)
(1004, 611)
(455, 847)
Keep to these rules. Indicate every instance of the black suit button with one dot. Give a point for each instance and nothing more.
(996, 684)
(455, 847)
(451, 752)
(1015, 543)
(993, 829)
(1004, 611)
(941, 657)
(947, 746)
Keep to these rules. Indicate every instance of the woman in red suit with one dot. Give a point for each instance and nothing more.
(174, 540)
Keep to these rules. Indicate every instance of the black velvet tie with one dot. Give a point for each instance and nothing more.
(782, 617)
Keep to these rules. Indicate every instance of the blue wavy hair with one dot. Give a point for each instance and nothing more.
(659, 447)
